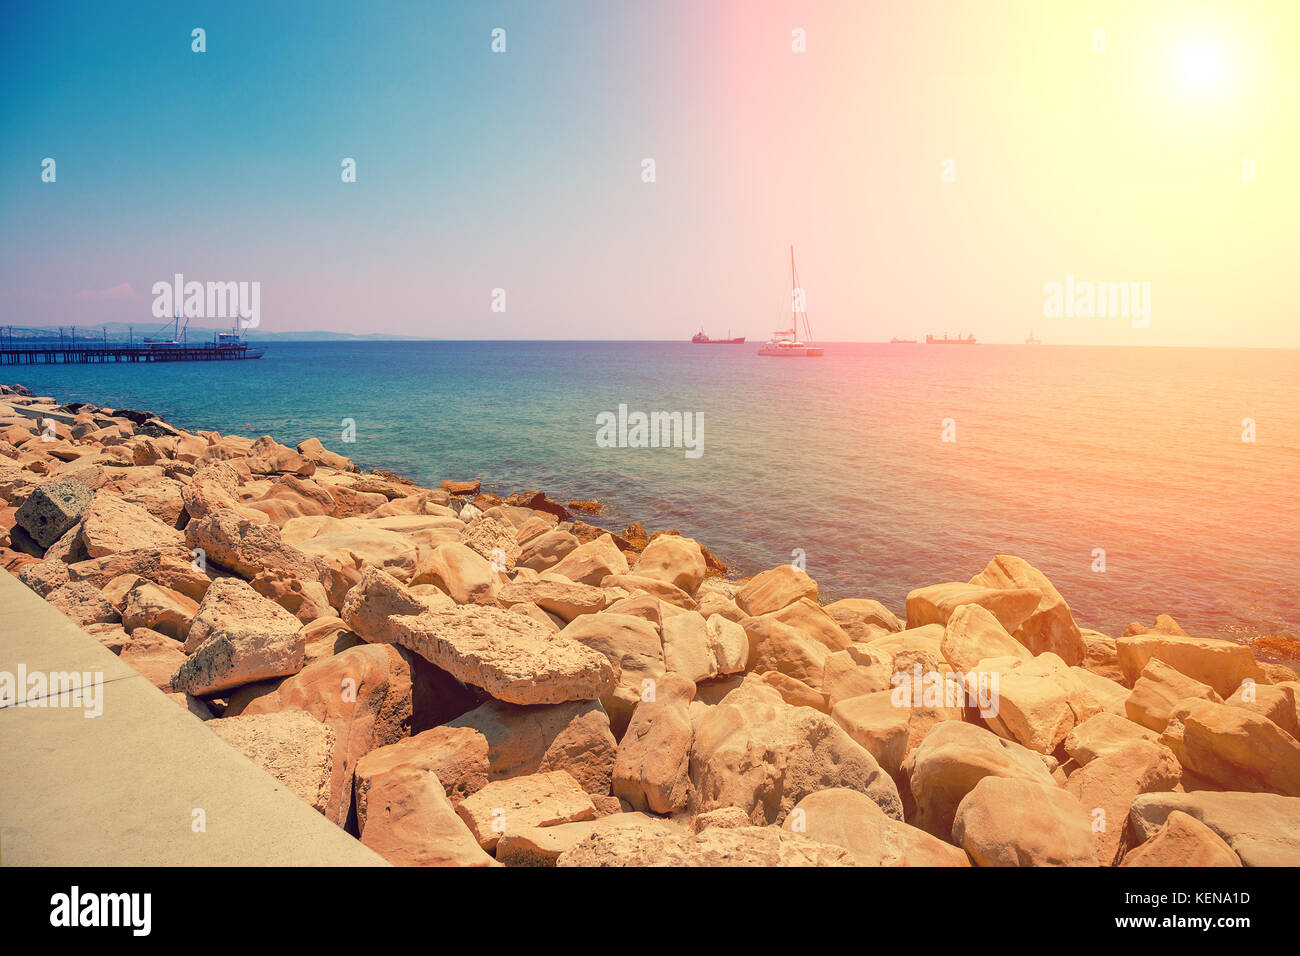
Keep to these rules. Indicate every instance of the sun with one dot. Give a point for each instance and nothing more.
(1200, 67)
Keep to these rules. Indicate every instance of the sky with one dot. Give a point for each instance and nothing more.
(936, 165)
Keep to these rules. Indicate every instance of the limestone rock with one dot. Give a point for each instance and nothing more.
(863, 619)
(678, 561)
(1158, 692)
(406, 818)
(1183, 841)
(652, 769)
(291, 747)
(537, 800)
(1006, 821)
(849, 819)
(1263, 829)
(1102, 735)
(775, 589)
(1222, 665)
(1110, 783)
(935, 604)
(52, 509)
(1051, 627)
(1234, 747)
(110, 525)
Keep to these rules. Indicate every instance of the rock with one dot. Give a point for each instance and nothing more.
(290, 746)
(232, 606)
(1183, 841)
(52, 509)
(1110, 695)
(973, 634)
(1277, 702)
(404, 816)
(849, 819)
(239, 545)
(363, 695)
(349, 548)
(293, 497)
(1102, 655)
(935, 604)
(676, 560)
(728, 644)
(1234, 747)
(592, 562)
(110, 525)
(716, 603)
(634, 652)
(951, 759)
(756, 752)
(464, 574)
(83, 604)
(1006, 821)
(1164, 625)
(172, 568)
(687, 648)
(652, 769)
(314, 451)
(775, 589)
(45, 577)
(631, 839)
(156, 656)
(566, 600)
(1102, 735)
(662, 590)
(728, 818)
(458, 756)
(1158, 692)
(492, 537)
(855, 671)
(512, 657)
(1263, 829)
(160, 609)
(537, 800)
(235, 650)
(574, 737)
(887, 730)
(1222, 665)
(779, 647)
(544, 551)
(268, 457)
(326, 636)
(1037, 702)
(541, 846)
(537, 501)
(794, 692)
(864, 620)
(305, 600)
(1051, 627)
(1108, 784)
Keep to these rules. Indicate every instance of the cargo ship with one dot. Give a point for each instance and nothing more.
(898, 341)
(699, 338)
(959, 340)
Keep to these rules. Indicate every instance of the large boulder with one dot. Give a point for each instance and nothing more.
(1107, 786)
(238, 544)
(1104, 734)
(1036, 702)
(161, 609)
(1183, 841)
(232, 649)
(546, 550)
(592, 562)
(952, 759)
(536, 800)
(775, 589)
(634, 651)
(678, 561)
(652, 769)
(852, 820)
(1263, 829)
(458, 756)
(936, 603)
(563, 599)
(512, 657)
(363, 695)
(1007, 821)
(864, 619)
(110, 525)
(1222, 665)
(1159, 690)
(52, 509)
(404, 815)
(754, 751)
(173, 568)
(888, 730)
(462, 572)
(1234, 747)
(633, 839)
(83, 604)
(291, 747)
(517, 741)
(1050, 627)
(973, 634)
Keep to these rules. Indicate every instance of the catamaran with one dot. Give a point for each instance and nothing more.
(786, 342)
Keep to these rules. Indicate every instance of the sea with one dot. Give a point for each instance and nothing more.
(1141, 481)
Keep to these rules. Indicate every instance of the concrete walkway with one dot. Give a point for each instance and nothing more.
(121, 789)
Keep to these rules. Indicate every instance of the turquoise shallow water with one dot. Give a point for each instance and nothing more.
(1059, 451)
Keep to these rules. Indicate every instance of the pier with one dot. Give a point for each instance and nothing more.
(97, 354)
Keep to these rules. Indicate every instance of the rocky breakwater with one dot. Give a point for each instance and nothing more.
(458, 677)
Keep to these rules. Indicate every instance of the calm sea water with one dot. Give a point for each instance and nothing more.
(1059, 451)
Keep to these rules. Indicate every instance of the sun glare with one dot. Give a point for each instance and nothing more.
(1199, 66)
